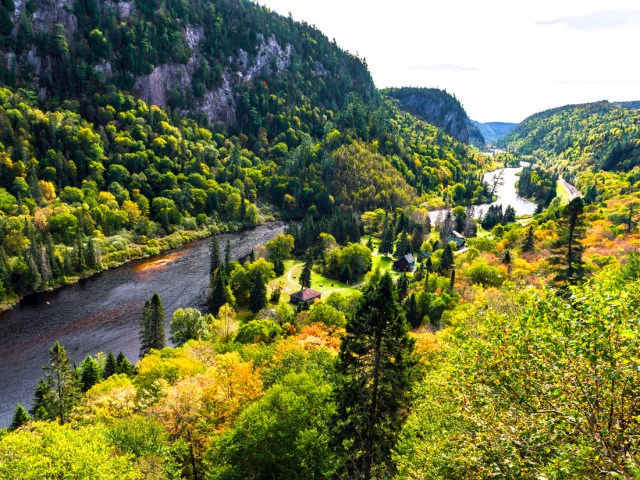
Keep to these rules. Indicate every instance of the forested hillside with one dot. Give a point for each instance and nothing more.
(441, 109)
(603, 135)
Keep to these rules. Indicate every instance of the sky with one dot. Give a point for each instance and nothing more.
(503, 59)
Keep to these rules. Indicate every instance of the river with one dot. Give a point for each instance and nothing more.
(505, 192)
(101, 313)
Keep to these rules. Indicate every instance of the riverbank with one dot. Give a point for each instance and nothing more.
(137, 251)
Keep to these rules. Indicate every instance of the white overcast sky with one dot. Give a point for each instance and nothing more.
(503, 59)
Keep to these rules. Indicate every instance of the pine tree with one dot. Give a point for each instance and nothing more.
(90, 373)
(411, 311)
(152, 326)
(214, 256)
(220, 291)
(506, 259)
(452, 279)
(403, 286)
(258, 293)
(388, 237)
(227, 256)
(403, 247)
(278, 266)
(110, 366)
(566, 252)
(63, 384)
(40, 401)
(305, 276)
(123, 365)
(20, 417)
(376, 375)
(429, 269)
(529, 240)
(446, 261)
(370, 243)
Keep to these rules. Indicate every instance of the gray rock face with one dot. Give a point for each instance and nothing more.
(218, 105)
(52, 12)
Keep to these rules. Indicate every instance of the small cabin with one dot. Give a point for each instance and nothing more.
(457, 238)
(405, 264)
(306, 295)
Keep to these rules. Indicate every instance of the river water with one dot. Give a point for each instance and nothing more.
(101, 314)
(505, 192)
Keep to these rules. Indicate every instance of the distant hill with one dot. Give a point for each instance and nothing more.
(494, 131)
(635, 105)
(440, 109)
(602, 134)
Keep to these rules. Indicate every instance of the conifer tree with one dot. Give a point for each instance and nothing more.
(152, 326)
(506, 259)
(411, 311)
(227, 256)
(446, 261)
(278, 266)
(376, 375)
(20, 417)
(220, 291)
(370, 243)
(63, 387)
(529, 240)
(403, 286)
(110, 366)
(305, 276)
(452, 279)
(258, 293)
(388, 237)
(40, 399)
(123, 365)
(90, 373)
(567, 250)
(403, 247)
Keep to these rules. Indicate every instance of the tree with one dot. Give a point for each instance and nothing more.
(123, 365)
(20, 417)
(506, 259)
(91, 373)
(220, 291)
(566, 252)
(388, 237)
(305, 276)
(214, 256)
(528, 244)
(258, 293)
(372, 395)
(411, 311)
(446, 261)
(187, 325)
(227, 318)
(403, 246)
(110, 366)
(403, 286)
(227, 255)
(452, 279)
(152, 326)
(61, 389)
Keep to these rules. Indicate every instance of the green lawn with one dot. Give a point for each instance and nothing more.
(562, 193)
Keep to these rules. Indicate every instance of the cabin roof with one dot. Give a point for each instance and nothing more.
(305, 295)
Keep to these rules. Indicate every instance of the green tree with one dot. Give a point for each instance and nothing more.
(529, 240)
(220, 291)
(123, 365)
(403, 246)
(152, 326)
(187, 325)
(110, 366)
(305, 276)
(20, 417)
(258, 293)
(376, 368)
(446, 261)
(62, 390)
(91, 373)
(566, 252)
(388, 237)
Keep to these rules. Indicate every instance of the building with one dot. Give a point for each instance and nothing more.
(405, 264)
(457, 238)
(306, 295)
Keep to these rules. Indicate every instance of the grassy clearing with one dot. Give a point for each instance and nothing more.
(562, 193)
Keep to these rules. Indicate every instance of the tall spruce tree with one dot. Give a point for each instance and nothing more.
(60, 392)
(446, 261)
(376, 373)
(110, 365)
(528, 244)
(388, 237)
(305, 276)
(152, 326)
(90, 373)
(258, 293)
(403, 246)
(220, 291)
(227, 256)
(566, 252)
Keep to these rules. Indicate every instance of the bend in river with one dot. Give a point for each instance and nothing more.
(102, 313)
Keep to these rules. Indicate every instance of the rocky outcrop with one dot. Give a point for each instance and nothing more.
(441, 109)
(52, 12)
(217, 105)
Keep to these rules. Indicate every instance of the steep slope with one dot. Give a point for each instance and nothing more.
(441, 109)
(602, 134)
(494, 131)
(221, 61)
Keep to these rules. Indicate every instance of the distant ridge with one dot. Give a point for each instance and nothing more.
(494, 131)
